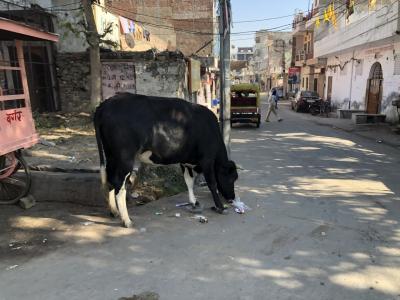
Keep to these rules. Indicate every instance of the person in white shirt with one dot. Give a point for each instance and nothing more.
(272, 105)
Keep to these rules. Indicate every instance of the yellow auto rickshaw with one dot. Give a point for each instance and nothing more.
(245, 104)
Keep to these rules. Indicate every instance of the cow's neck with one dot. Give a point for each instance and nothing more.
(222, 156)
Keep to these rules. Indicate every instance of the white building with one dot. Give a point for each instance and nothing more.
(272, 57)
(363, 56)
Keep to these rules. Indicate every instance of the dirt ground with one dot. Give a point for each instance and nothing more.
(68, 142)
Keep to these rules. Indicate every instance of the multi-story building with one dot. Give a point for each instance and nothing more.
(260, 58)
(245, 53)
(312, 69)
(361, 42)
(272, 57)
(279, 57)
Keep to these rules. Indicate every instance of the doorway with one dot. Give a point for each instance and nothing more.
(329, 91)
(374, 89)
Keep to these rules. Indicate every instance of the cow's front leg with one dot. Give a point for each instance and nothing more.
(121, 201)
(189, 175)
(132, 179)
(209, 175)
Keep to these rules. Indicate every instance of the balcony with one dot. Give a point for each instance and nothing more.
(363, 27)
(299, 24)
(302, 57)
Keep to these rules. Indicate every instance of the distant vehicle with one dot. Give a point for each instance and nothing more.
(245, 104)
(292, 94)
(303, 100)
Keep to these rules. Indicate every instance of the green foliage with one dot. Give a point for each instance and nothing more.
(79, 28)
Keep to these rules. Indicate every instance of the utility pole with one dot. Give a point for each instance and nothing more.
(225, 72)
(283, 68)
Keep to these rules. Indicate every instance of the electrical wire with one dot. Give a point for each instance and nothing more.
(63, 5)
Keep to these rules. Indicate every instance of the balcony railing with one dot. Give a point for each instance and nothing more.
(302, 55)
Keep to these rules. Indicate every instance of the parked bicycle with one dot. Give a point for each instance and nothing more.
(15, 177)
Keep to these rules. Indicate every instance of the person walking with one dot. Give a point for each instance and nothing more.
(272, 106)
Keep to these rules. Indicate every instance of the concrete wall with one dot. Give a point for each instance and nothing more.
(73, 73)
(352, 85)
(364, 26)
(163, 74)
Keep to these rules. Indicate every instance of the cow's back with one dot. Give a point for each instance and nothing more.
(168, 126)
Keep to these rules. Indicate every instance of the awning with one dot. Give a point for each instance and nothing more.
(12, 30)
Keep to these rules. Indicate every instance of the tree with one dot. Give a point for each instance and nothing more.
(87, 26)
(93, 39)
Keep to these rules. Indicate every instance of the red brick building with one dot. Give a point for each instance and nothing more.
(185, 25)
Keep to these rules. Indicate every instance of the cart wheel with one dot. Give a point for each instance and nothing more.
(15, 178)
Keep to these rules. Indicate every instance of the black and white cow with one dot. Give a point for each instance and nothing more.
(133, 129)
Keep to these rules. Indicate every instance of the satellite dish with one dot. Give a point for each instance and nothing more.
(129, 40)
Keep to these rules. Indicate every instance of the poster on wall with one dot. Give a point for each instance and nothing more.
(117, 77)
(294, 75)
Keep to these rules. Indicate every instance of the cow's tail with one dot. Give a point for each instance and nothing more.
(103, 173)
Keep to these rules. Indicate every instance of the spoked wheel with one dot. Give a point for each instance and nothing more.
(15, 178)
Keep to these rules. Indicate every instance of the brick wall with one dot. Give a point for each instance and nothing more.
(171, 22)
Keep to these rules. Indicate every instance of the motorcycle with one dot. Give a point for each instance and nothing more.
(320, 107)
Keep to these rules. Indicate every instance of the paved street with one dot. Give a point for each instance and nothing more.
(324, 224)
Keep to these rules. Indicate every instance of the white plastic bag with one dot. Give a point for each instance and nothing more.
(239, 206)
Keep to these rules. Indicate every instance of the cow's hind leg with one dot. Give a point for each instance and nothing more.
(121, 201)
(109, 189)
(112, 204)
(118, 179)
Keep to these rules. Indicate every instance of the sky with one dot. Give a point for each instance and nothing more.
(244, 10)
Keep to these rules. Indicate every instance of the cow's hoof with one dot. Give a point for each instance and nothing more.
(195, 209)
(114, 214)
(221, 211)
(128, 224)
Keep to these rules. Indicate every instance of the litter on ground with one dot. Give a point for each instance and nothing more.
(239, 206)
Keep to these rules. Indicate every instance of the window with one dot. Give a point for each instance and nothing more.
(307, 83)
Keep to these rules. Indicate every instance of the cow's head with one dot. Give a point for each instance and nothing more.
(226, 177)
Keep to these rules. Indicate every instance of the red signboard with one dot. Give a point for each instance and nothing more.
(294, 75)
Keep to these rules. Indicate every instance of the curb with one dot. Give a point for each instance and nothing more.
(359, 134)
(78, 188)
(47, 168)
